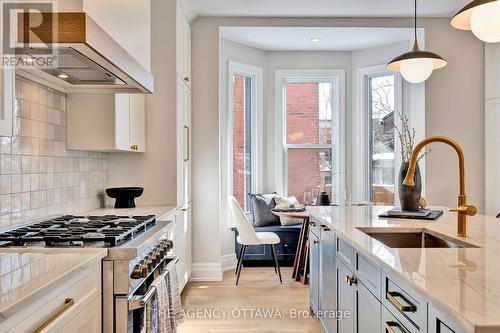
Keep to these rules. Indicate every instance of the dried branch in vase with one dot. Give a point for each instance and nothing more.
(407, 139)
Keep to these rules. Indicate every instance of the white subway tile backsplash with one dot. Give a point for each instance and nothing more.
(38, 176)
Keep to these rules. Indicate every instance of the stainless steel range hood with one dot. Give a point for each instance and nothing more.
(88, 58)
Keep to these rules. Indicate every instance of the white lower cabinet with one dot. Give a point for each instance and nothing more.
(73, 306)
(182, 244)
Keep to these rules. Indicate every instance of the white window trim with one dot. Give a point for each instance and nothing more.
(338, 124)
(410, 100)
(255, 73)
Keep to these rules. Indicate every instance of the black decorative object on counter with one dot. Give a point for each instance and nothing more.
(124, 195)
(323, 199)
(409, 196)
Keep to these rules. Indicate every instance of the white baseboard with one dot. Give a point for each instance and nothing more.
(229, 262)
(206, 272)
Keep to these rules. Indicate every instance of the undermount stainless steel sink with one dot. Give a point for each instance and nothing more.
(411, 239)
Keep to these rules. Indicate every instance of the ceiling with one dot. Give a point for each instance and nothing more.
(299, 38)
(321, 8)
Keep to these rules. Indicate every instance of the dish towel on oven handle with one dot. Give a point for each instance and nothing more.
(164, 313)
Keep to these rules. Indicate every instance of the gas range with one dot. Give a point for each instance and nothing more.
(77, 231)
(140, 248)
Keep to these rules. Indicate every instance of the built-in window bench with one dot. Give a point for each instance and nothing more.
(261, 255)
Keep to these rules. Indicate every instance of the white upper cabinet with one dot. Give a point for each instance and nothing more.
(184, 140)
(183, 46)
(106, 123)
(492, 135)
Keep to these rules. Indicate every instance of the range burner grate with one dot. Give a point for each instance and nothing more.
(75, 231)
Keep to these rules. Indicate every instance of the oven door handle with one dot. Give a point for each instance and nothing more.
(137, 302)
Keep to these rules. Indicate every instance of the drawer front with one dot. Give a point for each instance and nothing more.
(390, 324)
(67, 300)
(288, 243)
(368, 273)
(344, 251)
(87, 321)
(440, 323)
(405, 304)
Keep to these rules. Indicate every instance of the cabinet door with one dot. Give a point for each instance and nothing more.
(187, 145)
(327, 290)
(313, 272)
(492, 157)
(122, 121)
(187, 52)
(345, 297)
(182, 244)
(6, 101)
(179, 40)
(367, 310)
(138, 122)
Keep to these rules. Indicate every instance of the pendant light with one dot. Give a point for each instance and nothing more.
(482, 17)
(416, 66)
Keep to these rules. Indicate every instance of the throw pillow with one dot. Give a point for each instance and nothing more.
(262, 205)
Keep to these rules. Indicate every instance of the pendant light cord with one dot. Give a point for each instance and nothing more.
(415, 42)
(415, 20)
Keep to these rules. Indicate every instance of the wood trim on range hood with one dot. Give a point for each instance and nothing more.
(78, 32)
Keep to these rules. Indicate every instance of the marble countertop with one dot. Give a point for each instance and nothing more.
(162, 212)
(463, 283)
(27, 272)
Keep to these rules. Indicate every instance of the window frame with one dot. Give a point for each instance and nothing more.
(337, 78)
(255, 75)
(363, 169)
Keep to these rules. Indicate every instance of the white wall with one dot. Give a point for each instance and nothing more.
(454, 106)
(155, 169)
(231, 51)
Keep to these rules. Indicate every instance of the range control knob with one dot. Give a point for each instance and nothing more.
(140, 271)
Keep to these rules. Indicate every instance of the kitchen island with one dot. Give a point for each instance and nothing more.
(414, 289)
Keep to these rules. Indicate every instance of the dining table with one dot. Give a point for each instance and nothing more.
(301, 261)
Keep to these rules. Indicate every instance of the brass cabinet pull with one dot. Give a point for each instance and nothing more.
(68, 302)
(315, 241)
(186, 78)
(187, 144)
(313, 224)
(390, 325)
(134, 147)
(351, 280)
(391, 296)
(325, 228)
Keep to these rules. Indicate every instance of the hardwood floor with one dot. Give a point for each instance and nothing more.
(259, 304)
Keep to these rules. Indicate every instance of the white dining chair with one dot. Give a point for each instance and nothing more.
(247, 236)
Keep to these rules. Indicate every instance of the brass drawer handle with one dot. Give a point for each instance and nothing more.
(68, 302)
(390, 325)
(351, 280)
(134, 147)
(391, 296)
(313, 224)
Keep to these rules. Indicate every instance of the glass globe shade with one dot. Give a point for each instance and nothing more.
(416, 70)
(485, 22)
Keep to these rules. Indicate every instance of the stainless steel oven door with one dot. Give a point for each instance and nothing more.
(130, 315)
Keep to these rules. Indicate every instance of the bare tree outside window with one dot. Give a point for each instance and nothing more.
(382, 107)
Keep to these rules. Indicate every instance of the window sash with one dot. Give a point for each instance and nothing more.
(334, 81)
